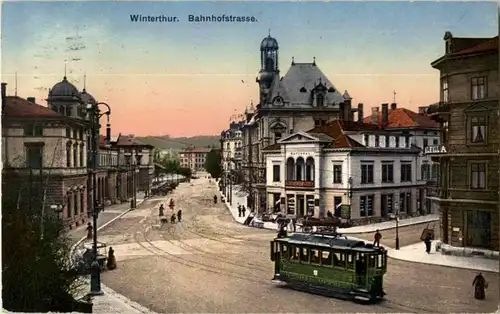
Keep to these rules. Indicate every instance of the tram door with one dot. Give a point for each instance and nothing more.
(361, 265)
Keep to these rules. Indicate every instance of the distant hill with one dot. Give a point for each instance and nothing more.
(179, 143)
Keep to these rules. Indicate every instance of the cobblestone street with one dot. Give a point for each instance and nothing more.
(209, 263)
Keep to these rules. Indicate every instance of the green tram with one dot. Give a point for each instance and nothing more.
(327, 264)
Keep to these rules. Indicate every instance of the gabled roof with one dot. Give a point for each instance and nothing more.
(335, 129)
(490, 45)
(303, 75)
(405, 118)
(17, 107)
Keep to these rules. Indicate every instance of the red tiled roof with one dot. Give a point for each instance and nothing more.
(21, 108)
(335, 129)
(404, 118)
(490, 45)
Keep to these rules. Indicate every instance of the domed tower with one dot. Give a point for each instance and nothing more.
(268, 64)
(86, 99)
(65, 98)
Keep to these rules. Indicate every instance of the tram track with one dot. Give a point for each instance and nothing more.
(190, 263)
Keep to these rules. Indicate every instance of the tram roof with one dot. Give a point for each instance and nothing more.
(327, 241)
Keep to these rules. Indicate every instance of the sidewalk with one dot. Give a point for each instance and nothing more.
(111, 301)
(412, 253)
(416, 253)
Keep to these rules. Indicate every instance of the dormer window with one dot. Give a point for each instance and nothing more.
(366, 139)
(320, 100)
(331, 90)
(303, 90)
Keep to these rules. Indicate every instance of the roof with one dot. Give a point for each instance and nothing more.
(130, 140)
(18, 107)
(405, 118)
(335, 129)
(64, 88)
(87, 98)
(197, 150)
(489, 45)
(327, 241)
(303, 75)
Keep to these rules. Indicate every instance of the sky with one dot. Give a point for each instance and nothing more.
(187, 79)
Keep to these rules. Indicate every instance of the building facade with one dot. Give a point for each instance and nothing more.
(231, 146)
(468, 116)
(375, 170)
(194, 158)
(298, 101)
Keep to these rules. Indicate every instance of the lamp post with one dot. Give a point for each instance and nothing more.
(135, 176)
(94, 114)
(396, 208)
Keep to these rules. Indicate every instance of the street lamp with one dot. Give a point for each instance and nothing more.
(396, 208)
(138, 157)
(94, 115)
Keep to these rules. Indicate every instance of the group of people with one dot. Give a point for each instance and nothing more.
(173, 217)
(241, 210)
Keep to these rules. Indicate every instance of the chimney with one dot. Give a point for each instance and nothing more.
(31, 99)
(347, 110)
(375, 115)
(360, 113)
(4, 95)
(394, 106)
(341, 111)
(385, 114)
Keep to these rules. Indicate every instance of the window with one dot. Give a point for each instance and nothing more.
(339, 259)
(68, 111)
(434, 142)
(315, 259)
(326, 258)
(337, 173)
(75, 203)
(387, 172)
(68, 154)
(478, 129)
(425, 172)
(276, 173)
(405, 202)
(377, 141)
(68, 132)
(478, 88)
(366, 173)
(444, 131)
(406, 172)
(320, 99)
(366, 205)
(304, 255)
(426, 143)
(34, 155)
(75, 155)
(478, 175)
(387, 141)
(386, 204)
(444, 88)
(366, 140)
(277, 136)
(33, 130)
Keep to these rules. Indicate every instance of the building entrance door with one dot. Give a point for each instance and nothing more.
(301, 209)
(478, 232)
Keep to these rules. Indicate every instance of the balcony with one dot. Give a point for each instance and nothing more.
(463, 194)
(299, 184)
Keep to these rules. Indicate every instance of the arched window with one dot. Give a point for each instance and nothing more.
(68, 111)
(82, 161)
(75, 155)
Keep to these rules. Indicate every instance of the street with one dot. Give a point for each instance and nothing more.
(209, 263)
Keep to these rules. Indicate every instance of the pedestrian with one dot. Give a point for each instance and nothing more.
(479, 285)
(179, 215)
(294, 224)
(89, 231)
(111, 262)
(243, 210)
(172, 219)
(215, 199)
(161, 212)
(239, 210)
(376, 238)
(428, 243)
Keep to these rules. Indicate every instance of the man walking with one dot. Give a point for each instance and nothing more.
(376, 238)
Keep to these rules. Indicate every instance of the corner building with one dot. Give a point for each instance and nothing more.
(468, 111)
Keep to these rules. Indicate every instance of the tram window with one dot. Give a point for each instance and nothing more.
(372, 261)
(326, 258)
(350, 261)
(380, 263)
(295, 253)
(315, 256)
(284, 251)
(339, 259)
(304, 256)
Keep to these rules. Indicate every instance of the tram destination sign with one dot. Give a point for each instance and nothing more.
(435, 149)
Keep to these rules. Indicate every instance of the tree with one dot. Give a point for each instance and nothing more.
(37, 273)
(186, 172)
(171, 164)
(212, 164)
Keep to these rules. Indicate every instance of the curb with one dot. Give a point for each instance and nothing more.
(106, 289)
(393, 227)
(389, 254)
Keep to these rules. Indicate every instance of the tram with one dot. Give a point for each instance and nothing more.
(324, 262)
